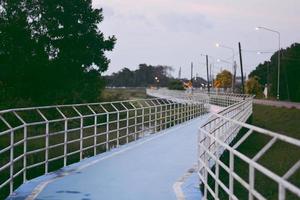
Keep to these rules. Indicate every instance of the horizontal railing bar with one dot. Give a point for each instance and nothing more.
(259, 167)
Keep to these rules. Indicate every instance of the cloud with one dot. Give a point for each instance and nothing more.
(190, 23)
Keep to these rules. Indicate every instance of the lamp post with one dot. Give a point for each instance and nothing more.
(224, 61)
(209, 76)
(157, 82)
(218, 45)
(279, 46)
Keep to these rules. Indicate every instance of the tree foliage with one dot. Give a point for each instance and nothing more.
(223, 80)
(175, 85)
(51, 51)
(253, 87)
(289, 73)
(142, 77)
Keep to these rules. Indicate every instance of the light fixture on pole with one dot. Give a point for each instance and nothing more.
(279, 48)
(209, 75)
(224, 61)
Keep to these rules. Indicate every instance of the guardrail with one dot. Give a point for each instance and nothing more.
(212, 98)
(36, 141)
(227, 172)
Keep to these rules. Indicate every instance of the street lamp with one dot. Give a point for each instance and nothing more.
(279, 46)
(208, 72)
(218, 45)
(157, 82)
(225, 61)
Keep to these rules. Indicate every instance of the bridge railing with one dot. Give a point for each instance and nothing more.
(227, 171)
(36, 141)
(230, 168)
(213, 98)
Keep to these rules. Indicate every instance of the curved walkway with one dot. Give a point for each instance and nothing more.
(146, 169)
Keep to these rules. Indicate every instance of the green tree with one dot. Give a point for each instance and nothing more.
(223, 79)
(289, 73)
(175, 85)
(144, 76)
(52, 51)
(253, 87)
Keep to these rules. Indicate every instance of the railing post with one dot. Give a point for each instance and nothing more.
(118, 128)
(161, 117)
(95, 129)
(218, 134)
(107, 131)
(81, 137)
(143, 121)
(65, 135)
(181, 112)
(65, 142)
(174, 113)
(95, 133)
(11, 171)
(127, 124)
(135, 124)
(46, 140)
(155, 118)
(25, 155)
(231, 167)
(251, 181)
(47, 148)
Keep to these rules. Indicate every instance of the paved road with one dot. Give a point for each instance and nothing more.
(146, 169)
(285, 104)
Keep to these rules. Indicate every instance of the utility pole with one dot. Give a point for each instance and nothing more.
(234, 76)
(278, 76)
(207, 73)
(192, 72)
(241, 63)
(268, 77)
(279, 55)
(210, 75)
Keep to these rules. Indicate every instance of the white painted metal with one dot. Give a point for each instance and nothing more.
(217, 135)
(80, 130)
(228, 123)
(99, 127)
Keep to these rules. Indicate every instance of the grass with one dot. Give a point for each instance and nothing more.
(117, 94)
(108, 95)
(281, 120)
(142, 121)
(279, 158)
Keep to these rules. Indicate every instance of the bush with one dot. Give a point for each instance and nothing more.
(175, 85)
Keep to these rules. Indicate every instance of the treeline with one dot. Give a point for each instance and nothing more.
(144, 76)
(266, 73)
(51, 52)
(148, 75)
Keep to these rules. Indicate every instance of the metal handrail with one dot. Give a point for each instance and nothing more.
(89, 129)
(217, 135)
(40, 138)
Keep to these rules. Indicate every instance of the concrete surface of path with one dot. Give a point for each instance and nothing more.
(146, 169)
(285, 104)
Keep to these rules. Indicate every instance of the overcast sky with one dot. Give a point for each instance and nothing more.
(177, 32)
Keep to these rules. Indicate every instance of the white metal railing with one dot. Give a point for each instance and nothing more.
(227, 171)
(212, 98)
(35, 141)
